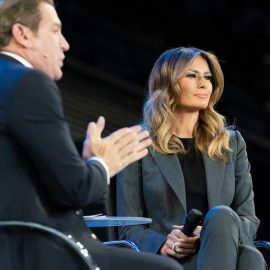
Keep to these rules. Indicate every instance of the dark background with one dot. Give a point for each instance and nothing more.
(113, 48)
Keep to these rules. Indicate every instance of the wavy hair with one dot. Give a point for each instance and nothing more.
(211, 136)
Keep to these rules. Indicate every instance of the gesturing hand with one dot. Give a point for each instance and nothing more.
(117, 150)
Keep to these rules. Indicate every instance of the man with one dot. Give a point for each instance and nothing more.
(42, 177)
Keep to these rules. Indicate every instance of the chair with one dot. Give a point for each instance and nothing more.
(264, 247)
(123, 244)
(76, 247)
(109, 235)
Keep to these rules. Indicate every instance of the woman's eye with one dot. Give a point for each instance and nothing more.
(208, 77)
(191, 75)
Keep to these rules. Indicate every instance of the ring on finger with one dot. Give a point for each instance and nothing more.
(175, 247)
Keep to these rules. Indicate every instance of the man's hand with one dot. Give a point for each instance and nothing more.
(117, 150)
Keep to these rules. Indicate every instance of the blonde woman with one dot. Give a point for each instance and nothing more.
(195, 162)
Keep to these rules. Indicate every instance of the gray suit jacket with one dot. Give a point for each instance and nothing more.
(154, 187)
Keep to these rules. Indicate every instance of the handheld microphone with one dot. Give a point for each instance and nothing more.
(192, 220)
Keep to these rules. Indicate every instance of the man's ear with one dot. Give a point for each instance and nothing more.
(22, 35)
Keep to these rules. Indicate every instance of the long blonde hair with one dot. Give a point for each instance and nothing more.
(211, 136)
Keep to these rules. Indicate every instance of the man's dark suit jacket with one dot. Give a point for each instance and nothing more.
(42, 177)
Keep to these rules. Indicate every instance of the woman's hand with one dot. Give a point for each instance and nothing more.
(179, 245)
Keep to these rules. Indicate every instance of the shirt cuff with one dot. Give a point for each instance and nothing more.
(101, 161)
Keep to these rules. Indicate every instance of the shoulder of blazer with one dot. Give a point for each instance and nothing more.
(36, 77)
(34, 94)
(237, 143)
(39, 86)
(13, 73)
(236, 138)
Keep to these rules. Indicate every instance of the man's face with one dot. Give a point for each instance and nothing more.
(48, 43)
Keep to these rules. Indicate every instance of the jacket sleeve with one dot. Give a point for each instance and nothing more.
(130, 202)
(243, 203)
(36, 121)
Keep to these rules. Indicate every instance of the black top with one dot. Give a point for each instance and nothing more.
(194, 175)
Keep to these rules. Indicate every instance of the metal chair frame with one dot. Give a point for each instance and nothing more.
(77, 247)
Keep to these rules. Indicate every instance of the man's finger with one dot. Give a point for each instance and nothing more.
(135, 129)
(132, 142)
(100, 125)
(118, 134)
(91, 131)
(133, 157)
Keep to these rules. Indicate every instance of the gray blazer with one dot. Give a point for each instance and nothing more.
(154, 187)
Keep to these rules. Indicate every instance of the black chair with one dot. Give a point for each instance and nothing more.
(81, 254)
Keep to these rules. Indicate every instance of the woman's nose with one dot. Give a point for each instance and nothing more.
(202, 83)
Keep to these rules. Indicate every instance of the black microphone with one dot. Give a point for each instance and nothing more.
(192, 220)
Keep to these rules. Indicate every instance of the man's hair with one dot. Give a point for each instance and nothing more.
(25, 12)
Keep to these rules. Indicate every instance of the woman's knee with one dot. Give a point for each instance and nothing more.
(221, 218)
(250, 258)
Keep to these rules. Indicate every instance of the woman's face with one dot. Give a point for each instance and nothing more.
(195, 86)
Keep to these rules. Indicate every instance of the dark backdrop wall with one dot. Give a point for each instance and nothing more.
(113, 48)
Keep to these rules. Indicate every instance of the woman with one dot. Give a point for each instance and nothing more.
(195, 162)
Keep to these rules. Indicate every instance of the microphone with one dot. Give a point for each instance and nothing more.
(192, 220)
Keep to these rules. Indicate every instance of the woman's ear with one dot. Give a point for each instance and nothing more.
(22, 35)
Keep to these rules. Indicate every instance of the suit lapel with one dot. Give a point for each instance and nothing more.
(169, 166)
(214, 171)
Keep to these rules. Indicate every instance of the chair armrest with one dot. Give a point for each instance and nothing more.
(262, 244)
(123, 244)
(68, 240)
(264, 247)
